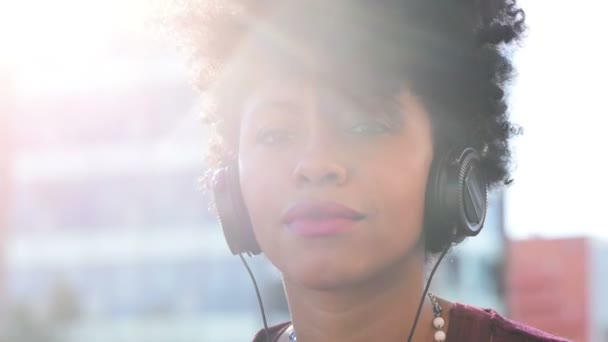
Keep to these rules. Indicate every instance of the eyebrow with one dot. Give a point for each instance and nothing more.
(260, 105)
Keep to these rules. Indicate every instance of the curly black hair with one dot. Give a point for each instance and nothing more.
(453, 54)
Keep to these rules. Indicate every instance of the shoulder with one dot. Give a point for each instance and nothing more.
(273, 331)
(467, 323)
(490, 326)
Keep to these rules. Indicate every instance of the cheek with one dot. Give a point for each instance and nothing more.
(403, 207)
(396, 183)
(264, 195)
(399, 203)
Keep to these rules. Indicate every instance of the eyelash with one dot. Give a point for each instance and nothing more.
(370, 128)
(274, 136)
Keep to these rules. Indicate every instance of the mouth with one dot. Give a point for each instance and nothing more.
(320, 219)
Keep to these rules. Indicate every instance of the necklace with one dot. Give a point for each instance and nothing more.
(438, 322)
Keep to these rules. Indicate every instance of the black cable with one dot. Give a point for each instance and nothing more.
(257, 292)
(426, 289)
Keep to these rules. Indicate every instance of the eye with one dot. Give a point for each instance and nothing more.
(369, 128)
(274, 136)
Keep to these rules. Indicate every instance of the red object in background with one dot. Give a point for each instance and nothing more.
(548, 286)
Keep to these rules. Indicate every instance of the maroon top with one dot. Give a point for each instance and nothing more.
(467, 324)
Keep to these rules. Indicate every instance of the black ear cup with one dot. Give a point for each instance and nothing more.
(455, 204)
(456, 201)
(232, 212)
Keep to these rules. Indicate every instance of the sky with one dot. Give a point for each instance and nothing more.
(559, 99)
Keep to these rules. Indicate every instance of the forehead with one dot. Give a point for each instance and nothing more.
(277, 76)
(301, 98)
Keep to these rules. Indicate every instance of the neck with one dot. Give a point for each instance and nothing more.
(380, 309)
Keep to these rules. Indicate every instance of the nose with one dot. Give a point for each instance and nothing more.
(319, 162)
(320, 170)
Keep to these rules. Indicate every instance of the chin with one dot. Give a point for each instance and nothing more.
(322, 282)
(324, 275)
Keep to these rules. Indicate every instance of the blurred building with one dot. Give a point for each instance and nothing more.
(560, 286)
(473, 272)
(110, 237)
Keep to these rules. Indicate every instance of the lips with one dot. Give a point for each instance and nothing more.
(320, 218)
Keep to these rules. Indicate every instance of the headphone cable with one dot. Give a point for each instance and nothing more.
(257, 292)
(426, 289)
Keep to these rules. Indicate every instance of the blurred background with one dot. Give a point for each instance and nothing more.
(106, 236)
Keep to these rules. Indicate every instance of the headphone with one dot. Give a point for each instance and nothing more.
(455, 203)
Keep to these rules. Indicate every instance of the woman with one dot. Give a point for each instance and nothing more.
(353, 140)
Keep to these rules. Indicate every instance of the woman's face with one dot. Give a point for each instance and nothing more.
(335, 190)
